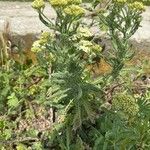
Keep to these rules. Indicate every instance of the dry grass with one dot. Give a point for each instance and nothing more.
(9, 48)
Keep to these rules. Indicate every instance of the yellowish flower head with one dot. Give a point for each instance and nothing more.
(38, 4)
(74, 10)
(89, 47)
(137, 6)
(86, 43)
(74, 1)
(96, 48)
(36, 47)
(85, 46)
(120, 1)
(33, 89)
(58, 3)
(83, 32)
(39, 45)
(126, 104)
(45, 36)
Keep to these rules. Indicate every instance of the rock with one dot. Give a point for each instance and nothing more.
(142, 37)
(23, 18)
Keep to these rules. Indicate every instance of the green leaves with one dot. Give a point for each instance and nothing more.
(12, 100)
(21, 147)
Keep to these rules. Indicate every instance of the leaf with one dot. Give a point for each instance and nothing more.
(79, 144)
(89, 111)
(77, 122)
(2, 124)
(12, 100)
(98, 142)
(7, 133)
(37, 146)
(21, 147)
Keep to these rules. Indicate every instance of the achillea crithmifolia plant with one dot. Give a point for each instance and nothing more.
(78, 98)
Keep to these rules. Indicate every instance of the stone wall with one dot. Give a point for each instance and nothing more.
(24, 23)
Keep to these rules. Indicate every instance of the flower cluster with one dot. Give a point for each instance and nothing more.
(36, 47)
(38, 4)
(91, 49)
(138, 6)
(120, 1)
(126, 104)
(74, 1)
(74, 10)
(70, 7)
(57, 3)
(40, 44)
(83, 32)
(46, 36)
